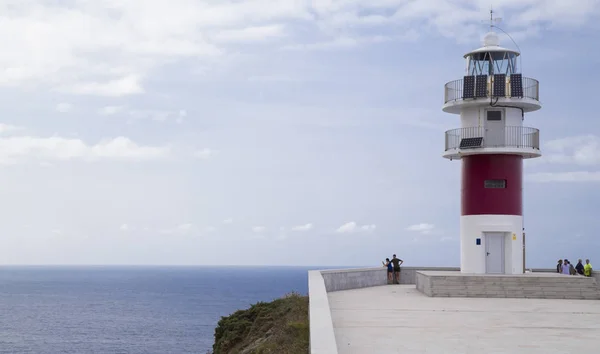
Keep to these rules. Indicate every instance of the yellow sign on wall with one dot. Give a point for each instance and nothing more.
(514, 237)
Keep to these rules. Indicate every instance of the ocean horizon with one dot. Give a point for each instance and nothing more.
(131, 308)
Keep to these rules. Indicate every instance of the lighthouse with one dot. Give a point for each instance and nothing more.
(492, 100)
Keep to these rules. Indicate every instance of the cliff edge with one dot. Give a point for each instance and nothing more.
(280, 327)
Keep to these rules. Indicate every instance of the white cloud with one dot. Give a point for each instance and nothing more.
(282, 234)
(15, 149)
(350, 42)
(305, 227)
(580, 150)
(368, 228)
(337, 43)
(180, 229)
(63, 107)
(120, 43)
(352, 227)
(110, 110)
(127, 85)
(205, 154)
(184, 227)
(422, 228)
(210, 229)
(228, 221)
(7, 128)
(157, 115)
(577, 176)
(181, 116)
(250, 34)
(259, 229)
(124, 227)
(277, 78)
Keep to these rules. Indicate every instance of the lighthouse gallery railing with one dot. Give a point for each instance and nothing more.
(514, 137)
(453, 90)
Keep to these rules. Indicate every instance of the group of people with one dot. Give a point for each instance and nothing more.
(393, 269)
(566, 267)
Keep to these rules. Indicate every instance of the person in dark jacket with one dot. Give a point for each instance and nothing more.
(559, 266)
(397, 262)
(579, 267)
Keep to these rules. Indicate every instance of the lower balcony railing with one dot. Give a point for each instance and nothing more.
(480, 137)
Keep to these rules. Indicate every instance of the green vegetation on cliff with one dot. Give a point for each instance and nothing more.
(278, 327)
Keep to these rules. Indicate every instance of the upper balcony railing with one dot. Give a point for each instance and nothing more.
(493, 86)
(509, 137)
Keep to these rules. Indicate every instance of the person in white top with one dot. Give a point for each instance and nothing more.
(565, 267)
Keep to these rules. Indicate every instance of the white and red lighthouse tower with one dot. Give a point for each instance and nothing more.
(492, 99)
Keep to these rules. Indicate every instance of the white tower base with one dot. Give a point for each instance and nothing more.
(491, 244)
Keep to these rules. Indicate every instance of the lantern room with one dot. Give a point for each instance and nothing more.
(491, 59)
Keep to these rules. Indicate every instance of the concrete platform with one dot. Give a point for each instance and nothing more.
(399, 319)
(528, 285)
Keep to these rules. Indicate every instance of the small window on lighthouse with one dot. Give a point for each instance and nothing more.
(495, 183)
(494, 115)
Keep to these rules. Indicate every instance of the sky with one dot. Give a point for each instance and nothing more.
(285, 132)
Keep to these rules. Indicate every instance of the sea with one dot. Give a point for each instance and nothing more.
(130, 310)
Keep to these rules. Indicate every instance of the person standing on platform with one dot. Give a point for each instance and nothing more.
(390, 269)
(572, 270)
(559, 266)
(397, 262)
(565, 267)
(579, 267)
(587, 268)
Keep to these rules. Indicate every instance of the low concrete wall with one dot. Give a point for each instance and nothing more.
(408, 275)
(322, 336)
(347, 279)
(542, 270)
(423, 283)
(595, 275)
(540, 285)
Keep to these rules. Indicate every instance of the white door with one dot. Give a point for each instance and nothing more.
(494, 252)
(494, 128)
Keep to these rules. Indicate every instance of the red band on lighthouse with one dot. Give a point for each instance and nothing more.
(479, 198)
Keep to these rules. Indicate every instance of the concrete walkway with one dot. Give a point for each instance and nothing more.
(399, 319)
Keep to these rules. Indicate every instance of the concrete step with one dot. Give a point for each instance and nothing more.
(547, 286)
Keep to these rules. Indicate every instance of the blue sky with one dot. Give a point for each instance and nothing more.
(275, 132)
